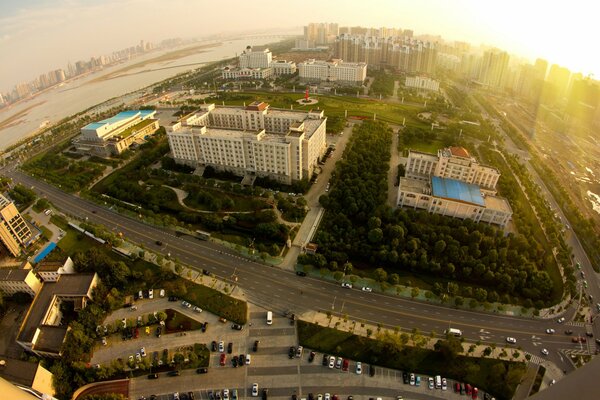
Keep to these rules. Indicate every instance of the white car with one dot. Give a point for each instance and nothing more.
(151, 294)
(412, 380)
(366, 289)
(561, 320)
(161, 293)
(225, 394)
(197, 309)
(331, 362)
(444, 384)
(248, 359)
(327, 396)
(545, 352)
(319, 396)
(550, 331)
(255, 390)
(104, 342)
(221, 346)
(430, 384)
(358, 368)
(176, 396)
(346, 285)
(143, 351)
(138, 358)
(511, 340)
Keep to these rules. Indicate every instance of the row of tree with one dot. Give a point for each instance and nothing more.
(359, 227)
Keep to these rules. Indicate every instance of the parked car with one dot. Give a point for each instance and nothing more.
(299, 351)
(550, 331)
(561, 320)
(174, 373)
(338, 363)
(204, 327)
(213, 346)
(444, 384)
(366, 289)
(197, 309)
(255, 390)
(291, 352)
(405, 378)
(311, 356)
(151, 294)
(300, 273)
(346, 285)
(221, 346)
(202, 371)
(345, 365)
(223, 359)
(255, 347)
(358, 368)
(430, 382)
(237, 327)
(331, 362)
(153, 376)
(474, 393)
(229, 348)
(545, 352)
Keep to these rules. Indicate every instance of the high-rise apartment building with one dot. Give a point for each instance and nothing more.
(558, 77)
(493, 68)
(14, 232)
(283, 145)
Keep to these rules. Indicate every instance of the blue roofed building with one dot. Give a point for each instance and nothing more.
(116, 134)
(429, 188)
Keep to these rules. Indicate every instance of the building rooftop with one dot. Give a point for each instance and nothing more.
(123, 115)
(456, 190)
(497, 203)
(67, 285)
(257, 106)
(459, 152)
(51, 338)
(414, 185)
(13, 274)
(132, 129)
(17, 371)
(49, 266)
(421, 154)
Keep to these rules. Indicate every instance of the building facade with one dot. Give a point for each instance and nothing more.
(14, 280)
(333, 71)
(246, 73)
(422, 83)
(283, 67)
(255, 58)
(14, 232)
(114, 135)
(283, 145)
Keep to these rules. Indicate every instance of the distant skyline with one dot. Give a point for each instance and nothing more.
(40, 35)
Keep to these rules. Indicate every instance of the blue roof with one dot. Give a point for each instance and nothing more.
(119, 117)
(44, 252)
(456, 190)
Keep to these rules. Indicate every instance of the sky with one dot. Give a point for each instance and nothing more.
(39, 35)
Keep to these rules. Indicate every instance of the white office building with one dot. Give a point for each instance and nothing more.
(454, 184)
(333, 71)
(422, 83)
(256, 58)
(454, 163)
(283, 67)
(283, 145)
(246, 73)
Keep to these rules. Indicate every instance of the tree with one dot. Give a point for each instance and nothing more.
(380, 275)
(414, 292)
(449, 348)
(394, 279)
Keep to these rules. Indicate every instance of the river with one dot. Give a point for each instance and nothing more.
(79, 94)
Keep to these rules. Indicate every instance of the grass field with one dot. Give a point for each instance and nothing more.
(334, 106)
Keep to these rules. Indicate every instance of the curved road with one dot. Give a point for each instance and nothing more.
(280, 290)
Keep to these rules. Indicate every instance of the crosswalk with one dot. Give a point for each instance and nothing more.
(576, 352)
(536, 359)
(576, 323)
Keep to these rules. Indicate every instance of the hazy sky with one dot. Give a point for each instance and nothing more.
(39, 35)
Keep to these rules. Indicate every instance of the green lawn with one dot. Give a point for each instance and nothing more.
(432, 147)
(217, 303)
(177, 322)
(496, 376)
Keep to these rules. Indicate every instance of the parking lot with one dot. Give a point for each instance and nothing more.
(272, 369)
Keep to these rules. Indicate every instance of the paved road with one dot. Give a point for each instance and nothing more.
(280, 290)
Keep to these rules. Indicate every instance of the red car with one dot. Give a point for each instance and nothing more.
(345, 365)
(468, 389)
(456, 387)
(475, 391)
(223, 358)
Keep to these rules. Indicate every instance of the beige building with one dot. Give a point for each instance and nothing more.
(283, 67)
(246, 73)
(283, 145)
(256, 58)
(114, 135)
(41, 331)
(19, 280)
(27, 376)
(333, 71)
(14, 232)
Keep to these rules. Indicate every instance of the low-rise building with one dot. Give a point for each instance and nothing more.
(41, 331)
(14, 280)
(453, 198)
(50, 271)
(14, 232)
(422, 83)
(246, 73)
(114, 135)
(27, 376)
(283, 67)
(284, 145)
(332, 71)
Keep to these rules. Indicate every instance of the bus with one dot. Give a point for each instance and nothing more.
(202, 235)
